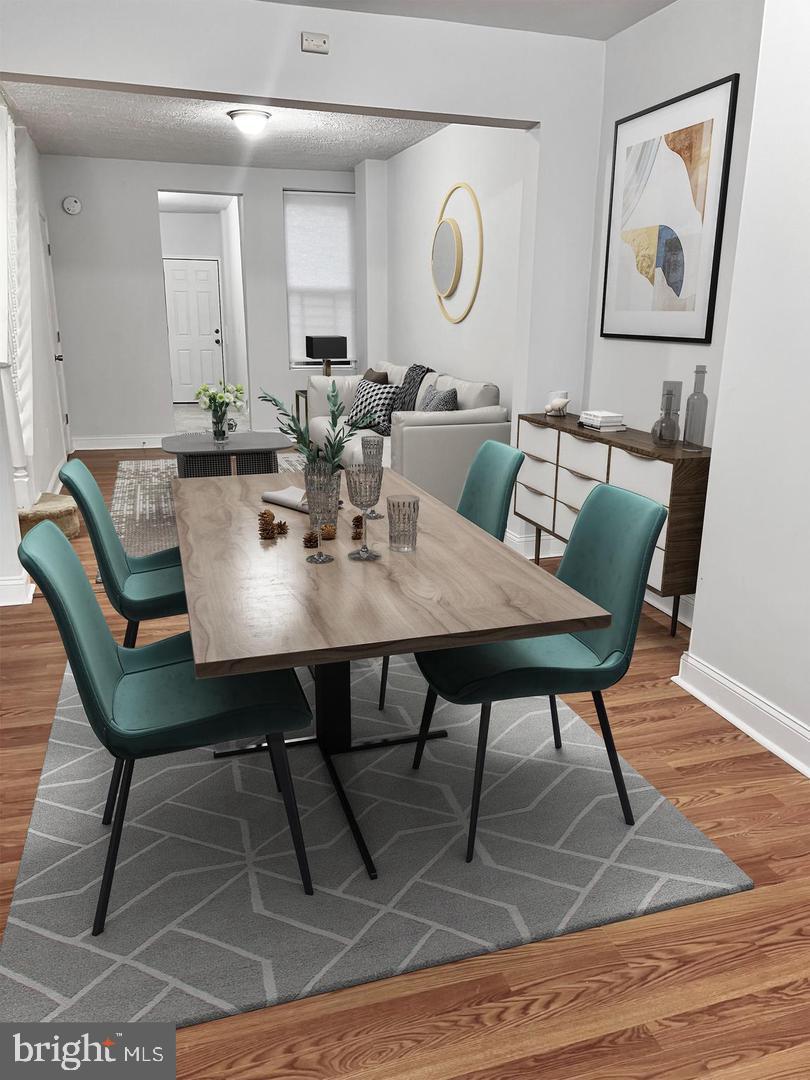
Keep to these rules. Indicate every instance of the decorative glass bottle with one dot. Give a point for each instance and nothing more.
(697, 405)
(666, 429)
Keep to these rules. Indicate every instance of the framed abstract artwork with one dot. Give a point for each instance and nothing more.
(665, 223)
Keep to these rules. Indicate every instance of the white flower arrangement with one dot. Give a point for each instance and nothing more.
(218, 399)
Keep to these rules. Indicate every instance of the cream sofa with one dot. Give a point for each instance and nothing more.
(433, 449)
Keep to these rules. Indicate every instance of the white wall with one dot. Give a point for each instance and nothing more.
(234, 327)
(371, 260)
(750, 644)
(501, 167)
(109, 283)
(683, 46)
(190, 236)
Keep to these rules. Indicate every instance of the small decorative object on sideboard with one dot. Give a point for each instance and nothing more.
(217, 400)
(557, 403)
(666, 430)
(602, 420)
(697, 406)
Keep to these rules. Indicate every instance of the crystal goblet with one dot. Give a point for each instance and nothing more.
(372, 455)
(323, 493)
(364, 483)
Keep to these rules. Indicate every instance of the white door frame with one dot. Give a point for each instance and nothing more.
(199, 258)
(55, 333)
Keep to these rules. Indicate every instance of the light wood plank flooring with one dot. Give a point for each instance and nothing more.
(717, 990)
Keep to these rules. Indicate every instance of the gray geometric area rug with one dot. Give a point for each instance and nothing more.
(208, 917)
(142, 505)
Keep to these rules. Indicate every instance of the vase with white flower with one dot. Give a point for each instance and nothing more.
(217, 400)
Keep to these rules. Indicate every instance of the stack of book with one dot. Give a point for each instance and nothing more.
(600, 420)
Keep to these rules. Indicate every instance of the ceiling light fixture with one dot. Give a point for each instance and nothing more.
(250, 121)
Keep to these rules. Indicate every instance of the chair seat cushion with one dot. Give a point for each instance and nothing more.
(160, 706)
(529, 667)
(158, 560)
(154, 594)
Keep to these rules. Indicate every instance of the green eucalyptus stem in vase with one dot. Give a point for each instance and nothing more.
(337, 437)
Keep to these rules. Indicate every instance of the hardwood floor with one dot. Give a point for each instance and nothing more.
(719, 989)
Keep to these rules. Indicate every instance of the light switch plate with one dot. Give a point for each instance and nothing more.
(314, 43)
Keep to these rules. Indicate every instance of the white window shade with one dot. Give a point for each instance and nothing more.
(319, 243)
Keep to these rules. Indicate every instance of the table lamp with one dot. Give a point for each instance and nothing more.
(326, 349)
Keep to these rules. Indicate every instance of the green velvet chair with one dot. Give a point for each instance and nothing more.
(607, 559)
(484, 501)
(138, 587)
(145, 702)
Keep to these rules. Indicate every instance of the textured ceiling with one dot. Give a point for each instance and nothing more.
(89, 122)
(599, 19)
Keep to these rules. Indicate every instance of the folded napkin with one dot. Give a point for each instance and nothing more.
(293, 498)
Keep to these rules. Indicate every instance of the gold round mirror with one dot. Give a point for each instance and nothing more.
(447, 257)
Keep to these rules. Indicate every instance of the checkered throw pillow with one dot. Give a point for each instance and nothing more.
(440, 400)
(377, 399)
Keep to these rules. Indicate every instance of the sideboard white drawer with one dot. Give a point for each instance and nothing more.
(647, 476)
(564, 520)
(540, 441)
(538, 475)
(656, 569)
(584, 456)
(537, 508)
(573, 489)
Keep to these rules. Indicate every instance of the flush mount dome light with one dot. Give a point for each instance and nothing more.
(250, 121)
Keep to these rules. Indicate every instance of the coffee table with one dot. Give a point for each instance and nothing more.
(244, 453)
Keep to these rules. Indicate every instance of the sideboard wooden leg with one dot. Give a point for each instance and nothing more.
(537, 538)
(673, 626)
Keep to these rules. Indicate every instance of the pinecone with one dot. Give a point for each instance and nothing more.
(267, 526)
(357, 534)
(310, 540)
(282, 528)
(328, 532)
(357, 521)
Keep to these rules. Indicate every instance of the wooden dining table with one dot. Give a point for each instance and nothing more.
(258, 605)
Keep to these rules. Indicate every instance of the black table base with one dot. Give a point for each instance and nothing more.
(333, 736)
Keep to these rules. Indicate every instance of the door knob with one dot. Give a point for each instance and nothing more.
(217, 341)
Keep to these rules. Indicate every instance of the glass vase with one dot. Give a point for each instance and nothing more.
(666, 429)
(697, 407)
(323, 495)
(219, 426)
(403, 513)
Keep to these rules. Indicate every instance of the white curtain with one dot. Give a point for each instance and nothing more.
(319, 244)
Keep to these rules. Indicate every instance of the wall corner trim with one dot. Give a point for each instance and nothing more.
(779, 732)
(550, 547)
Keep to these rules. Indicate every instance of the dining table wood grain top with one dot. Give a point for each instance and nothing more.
(257, 605)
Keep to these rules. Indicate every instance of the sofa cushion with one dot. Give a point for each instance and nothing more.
(440, 400)
(319, 386)
(370, 375)
(471, 395)
(374, 399)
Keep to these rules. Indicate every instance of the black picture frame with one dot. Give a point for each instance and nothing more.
(733, 81)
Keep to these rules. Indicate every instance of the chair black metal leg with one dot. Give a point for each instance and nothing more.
(112, 850)
(131, 634)
(480, 757)
(383, 681)
(281, 767)
(115, 780)
(555, 721)
(272, 761)
(613, 757)
(424, 727)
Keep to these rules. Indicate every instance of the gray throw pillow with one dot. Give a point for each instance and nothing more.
(440, 400)
(376, 376)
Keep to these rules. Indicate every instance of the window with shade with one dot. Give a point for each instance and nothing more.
(319, 246)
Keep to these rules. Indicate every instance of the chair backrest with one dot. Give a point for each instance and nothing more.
(608, 560)
(93, 654)
(109, 551)
(488, 488)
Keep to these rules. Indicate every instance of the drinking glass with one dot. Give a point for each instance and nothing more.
(403, 513)
(323, 493)
(372, 455)
(364, 483)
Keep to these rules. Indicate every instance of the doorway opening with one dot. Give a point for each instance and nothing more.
(201, 245)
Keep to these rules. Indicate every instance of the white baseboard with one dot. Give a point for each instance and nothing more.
(550, 547)
(116, 442)
(18, 589)
(778, 731)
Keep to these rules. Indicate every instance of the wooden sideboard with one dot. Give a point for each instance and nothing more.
(564, 462)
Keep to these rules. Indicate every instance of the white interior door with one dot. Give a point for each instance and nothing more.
(195, 324)
(53, 330)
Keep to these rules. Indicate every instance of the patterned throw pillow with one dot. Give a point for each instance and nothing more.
(440, 400)
(377, 399)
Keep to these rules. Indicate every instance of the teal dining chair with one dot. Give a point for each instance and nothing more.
(484, 501)
(144, 702)
(607, 559)
(138, 587)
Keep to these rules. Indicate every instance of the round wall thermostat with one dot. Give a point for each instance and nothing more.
(72, 205)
